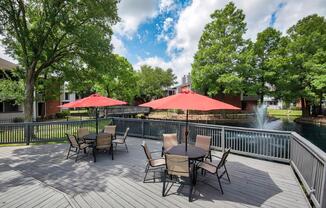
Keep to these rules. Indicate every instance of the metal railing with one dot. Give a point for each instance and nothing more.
(38, 132)
(307, 160)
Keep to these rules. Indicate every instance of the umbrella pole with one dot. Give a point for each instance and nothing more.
(96, 113)
(186, 132)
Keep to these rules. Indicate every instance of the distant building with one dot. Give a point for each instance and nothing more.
(273, 103)
(9, 110)
(185, 85)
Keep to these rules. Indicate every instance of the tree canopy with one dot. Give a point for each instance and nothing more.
(57, 34)
(221, 54)
(152, 82)
(290, 67)
(261, 77)
(119, 81)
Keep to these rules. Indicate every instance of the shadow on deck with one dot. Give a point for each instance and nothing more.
(40, 175)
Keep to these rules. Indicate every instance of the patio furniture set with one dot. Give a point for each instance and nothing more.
(178, 164)
(106, 141)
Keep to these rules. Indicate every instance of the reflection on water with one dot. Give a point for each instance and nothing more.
(314, 133)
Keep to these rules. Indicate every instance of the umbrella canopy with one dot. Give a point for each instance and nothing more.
(189, 100)
(93, 101)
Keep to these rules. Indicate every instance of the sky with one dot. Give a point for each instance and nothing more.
(165, 33)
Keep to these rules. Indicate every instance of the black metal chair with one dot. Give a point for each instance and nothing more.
(178, 167)
(152, 164)
(208, 166)
(75, 146)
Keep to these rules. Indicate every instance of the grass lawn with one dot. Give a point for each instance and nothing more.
(279, 112)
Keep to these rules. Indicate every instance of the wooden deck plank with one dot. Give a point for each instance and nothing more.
(31, 177)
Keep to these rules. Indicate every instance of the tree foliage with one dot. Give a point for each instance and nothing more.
(153, 81)
(44, 34)
(303, 76)
(221, 55)
(119, 81)
(261, 76)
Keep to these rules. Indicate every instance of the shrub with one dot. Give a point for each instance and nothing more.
(62, 114)
(18, 120)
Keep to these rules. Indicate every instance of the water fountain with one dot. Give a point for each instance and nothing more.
(262, 120)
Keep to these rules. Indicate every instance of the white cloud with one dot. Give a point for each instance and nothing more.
(190, 25)
(168, 22)
(118, 46)
(133, 13)
(166, 5)
(152, 61)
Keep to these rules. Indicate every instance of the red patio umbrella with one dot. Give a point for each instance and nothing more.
(93, 101)
(189, 100)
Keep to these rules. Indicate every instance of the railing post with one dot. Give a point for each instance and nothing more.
(223, 139)
(323, 190)
(142, 128)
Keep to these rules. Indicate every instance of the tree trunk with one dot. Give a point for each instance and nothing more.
(29, 95)
(305, 107)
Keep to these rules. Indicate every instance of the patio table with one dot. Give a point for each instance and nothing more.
(193, 152)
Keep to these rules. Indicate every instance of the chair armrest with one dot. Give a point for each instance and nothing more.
(216, 156)
(157, 151)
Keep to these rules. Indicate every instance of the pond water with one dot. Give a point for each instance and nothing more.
(314, 133)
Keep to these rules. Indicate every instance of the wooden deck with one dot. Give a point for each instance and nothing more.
(39, 176)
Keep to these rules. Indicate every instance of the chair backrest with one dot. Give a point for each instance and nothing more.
(203, 142)
(147, 152)
(103, 140)
(72, 140)
(169, 140)
(177, 165)
(126, 134)
(223, 159)
(110, 129)
(81, 132)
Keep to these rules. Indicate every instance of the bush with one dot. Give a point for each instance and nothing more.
(18, 120)
(62, 114)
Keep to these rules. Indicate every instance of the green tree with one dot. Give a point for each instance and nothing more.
(119, 82)
(42, 34)
(221, 55)
(153, 81)
(303, 78)
(11, 86)
(261, 76)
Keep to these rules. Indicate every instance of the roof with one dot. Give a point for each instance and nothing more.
(4, 64)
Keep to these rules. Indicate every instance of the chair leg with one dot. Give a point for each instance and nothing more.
(94, 154)
(227, 174)
(112, 151)
(219, 182)
(164, 181)
(77, 154)
(68, 152)
(126, 147)
(146, 171)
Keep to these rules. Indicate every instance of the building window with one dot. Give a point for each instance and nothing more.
(66, 96)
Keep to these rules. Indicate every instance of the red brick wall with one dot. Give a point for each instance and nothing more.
(230, 99)
(52, 107)
(250, 106)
